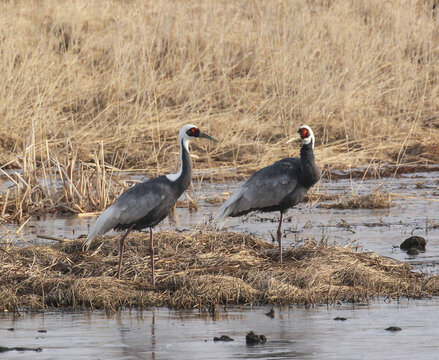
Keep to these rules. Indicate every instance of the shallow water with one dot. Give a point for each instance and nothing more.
(379, 230)
(294, 332)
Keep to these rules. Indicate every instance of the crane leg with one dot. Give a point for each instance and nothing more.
(151, 254)
(122, 248)
(279, 236)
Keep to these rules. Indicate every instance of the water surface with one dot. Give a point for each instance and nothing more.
(294, 332)
(415, 211)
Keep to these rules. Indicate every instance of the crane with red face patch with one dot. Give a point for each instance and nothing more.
(148, 203)
(277, 187)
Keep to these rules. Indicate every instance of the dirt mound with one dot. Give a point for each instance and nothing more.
(200, 270)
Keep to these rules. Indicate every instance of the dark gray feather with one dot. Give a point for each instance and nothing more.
(266, 188)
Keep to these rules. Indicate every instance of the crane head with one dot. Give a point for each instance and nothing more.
(305, 134)
(191, 131)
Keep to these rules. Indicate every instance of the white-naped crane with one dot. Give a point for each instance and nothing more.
(148, 203)
(277, 187)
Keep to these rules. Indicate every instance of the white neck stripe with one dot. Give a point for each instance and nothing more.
(184, 143)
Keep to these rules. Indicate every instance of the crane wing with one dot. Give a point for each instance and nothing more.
(138, 201)
(132, 205)
(265, 188)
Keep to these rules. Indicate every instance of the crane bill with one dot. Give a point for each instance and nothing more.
(203, 135)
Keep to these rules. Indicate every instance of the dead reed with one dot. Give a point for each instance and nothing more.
(200, 270)
(81, 76)
(59, 182)
(376, 199)
(362, 73)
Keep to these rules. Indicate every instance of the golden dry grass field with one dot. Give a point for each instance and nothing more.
(363, 73)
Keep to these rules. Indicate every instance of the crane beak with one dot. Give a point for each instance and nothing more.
(203, 135)
(294, 138)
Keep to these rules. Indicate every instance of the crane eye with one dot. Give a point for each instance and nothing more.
(304, 133)
(193, 132)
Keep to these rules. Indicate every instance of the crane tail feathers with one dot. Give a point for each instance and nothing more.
(227, 209)
(105, 222)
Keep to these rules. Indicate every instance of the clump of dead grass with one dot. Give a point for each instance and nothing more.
(201, 270)
(376, 199)
(58, 183)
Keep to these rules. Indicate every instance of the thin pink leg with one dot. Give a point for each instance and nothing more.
(279, 236)
(151, 254)
(122, 248)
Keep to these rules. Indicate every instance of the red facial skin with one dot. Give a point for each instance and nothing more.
(304, 133)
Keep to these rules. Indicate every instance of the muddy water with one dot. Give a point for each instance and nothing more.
(294, 332)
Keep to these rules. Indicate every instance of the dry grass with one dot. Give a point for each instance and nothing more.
(90, 87)
(58, 183)
(364, 74)
(199, 271)
(376, 199)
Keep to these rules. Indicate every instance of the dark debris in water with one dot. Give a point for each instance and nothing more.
(393, 328)
(270, 314)
(253, 339)
(18, 348)
(338, 318)
(413, 242)
(413, 251)
(223, 338)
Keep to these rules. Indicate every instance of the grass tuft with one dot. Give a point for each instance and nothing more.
(201, 270)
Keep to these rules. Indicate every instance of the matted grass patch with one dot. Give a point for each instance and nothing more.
(198, 270)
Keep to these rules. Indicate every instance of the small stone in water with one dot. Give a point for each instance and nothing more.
(393, 328)
(253, 339)
(223, 338)
(270, 313)
(416, 242)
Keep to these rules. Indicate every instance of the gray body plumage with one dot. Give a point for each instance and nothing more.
(145, 204)
(277, 187)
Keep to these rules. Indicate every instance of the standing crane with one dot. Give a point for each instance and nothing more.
(277, 187)
(148, 203)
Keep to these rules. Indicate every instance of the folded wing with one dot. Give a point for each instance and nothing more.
(264, 189)
(132, 205)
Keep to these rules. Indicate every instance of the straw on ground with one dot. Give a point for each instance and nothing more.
(200, 270)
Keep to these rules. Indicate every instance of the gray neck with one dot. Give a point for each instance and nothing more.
(186, 168)
(182, 179)
(310, 172)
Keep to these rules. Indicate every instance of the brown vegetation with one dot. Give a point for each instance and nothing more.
(363, 74)
(92, 87)
(201, 270)
(58, 183)
(376, 199)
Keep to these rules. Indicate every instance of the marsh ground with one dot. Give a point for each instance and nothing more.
(101, 86)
